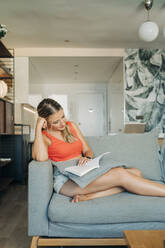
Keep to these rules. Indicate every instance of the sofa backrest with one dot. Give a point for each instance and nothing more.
(136, 150)
(163, 158)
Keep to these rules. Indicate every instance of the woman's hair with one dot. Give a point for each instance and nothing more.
(48, 107)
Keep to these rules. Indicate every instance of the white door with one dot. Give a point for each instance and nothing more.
(91, 114)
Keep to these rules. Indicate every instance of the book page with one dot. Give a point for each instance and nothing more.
(80, 170)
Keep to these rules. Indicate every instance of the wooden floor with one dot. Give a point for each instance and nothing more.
(13, 217)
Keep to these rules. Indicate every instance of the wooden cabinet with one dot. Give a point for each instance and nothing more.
(6, 117)
(7, 70)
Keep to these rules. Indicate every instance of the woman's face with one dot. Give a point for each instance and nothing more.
(57, 121)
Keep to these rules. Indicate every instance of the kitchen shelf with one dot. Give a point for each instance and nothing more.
(7, 70)
(4, 52)
(4, 162)
(4, 182)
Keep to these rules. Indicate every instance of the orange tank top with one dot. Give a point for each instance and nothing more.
(60, 150)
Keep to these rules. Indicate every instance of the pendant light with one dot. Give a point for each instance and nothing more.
(148, 30)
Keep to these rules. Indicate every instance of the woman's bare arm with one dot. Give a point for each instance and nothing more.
(87, 151)
(40, 146)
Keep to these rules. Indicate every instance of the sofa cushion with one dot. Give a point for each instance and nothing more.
(120, 208)
(136, 150)
(72, 230)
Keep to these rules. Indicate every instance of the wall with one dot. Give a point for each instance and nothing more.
(114, 93)
(40, 91)
(22, 116)
(21, 85)
(145, 87)
(116, 100)
(29, 117)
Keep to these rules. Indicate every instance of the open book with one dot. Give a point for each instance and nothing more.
(81, 170)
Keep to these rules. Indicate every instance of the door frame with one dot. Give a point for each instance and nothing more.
(104, 94)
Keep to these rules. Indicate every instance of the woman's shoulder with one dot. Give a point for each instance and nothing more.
(72, 124)
(73, 127)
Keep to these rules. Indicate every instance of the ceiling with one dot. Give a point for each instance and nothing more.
(85, 23)
(77, 24)
(72, 69)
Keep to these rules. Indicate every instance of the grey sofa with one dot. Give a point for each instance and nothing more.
(54, 218)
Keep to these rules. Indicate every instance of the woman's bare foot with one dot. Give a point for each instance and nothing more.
(90, 196)
(78, 198)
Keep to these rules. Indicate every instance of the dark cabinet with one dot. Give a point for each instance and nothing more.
(6, 117)
(17, 148)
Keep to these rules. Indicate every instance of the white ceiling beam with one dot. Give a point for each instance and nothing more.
(69, 52)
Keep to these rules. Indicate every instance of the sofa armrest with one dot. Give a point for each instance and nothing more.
(40, 189)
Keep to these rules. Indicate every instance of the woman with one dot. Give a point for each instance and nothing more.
(60, 140)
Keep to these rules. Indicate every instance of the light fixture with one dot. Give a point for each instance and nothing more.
(91, 110)
(148, 30)
(3, 30)
(30, 110)
(3, 89)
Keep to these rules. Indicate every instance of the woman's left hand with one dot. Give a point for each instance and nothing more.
(83, 161)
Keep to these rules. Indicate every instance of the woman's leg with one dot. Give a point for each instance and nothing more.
(104, 193)
(90, 196)
(116, 177)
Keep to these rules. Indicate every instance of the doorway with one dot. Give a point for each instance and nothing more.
(91, 113)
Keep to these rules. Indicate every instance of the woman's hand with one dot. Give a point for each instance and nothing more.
(41, 123)
(83, 160)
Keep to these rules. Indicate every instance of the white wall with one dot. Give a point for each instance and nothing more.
(22, 116)
(115, 101)
(69, 89)
(29, 118)
(21, 85)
